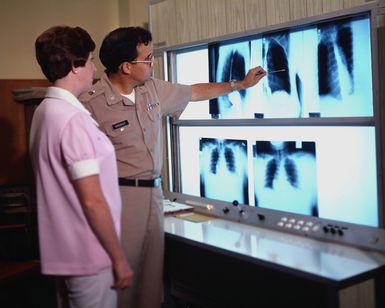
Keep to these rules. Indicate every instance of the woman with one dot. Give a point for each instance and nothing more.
(76, 179)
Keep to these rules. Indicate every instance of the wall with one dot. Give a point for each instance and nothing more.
(133, 13)
(175, 22)
(21, 21)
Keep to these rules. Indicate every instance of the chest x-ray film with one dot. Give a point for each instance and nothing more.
(327, 172)
(326, 71)
(223, 169)
(321, 70)
(285, 176)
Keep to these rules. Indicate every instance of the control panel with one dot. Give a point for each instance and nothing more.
(323, 229)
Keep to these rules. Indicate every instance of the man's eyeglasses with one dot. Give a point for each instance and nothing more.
(150, 62)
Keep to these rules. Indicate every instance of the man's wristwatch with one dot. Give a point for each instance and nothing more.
(232, 84)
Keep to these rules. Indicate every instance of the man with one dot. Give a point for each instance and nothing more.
(129, 104)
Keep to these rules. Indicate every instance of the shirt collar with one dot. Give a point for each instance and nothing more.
(68, 97)
(113, 96)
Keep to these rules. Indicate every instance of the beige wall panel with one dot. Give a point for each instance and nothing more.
(137, 13)
(187, 20)
(22, 21)
(203, 26)
(124, 12)
(163, 23)
(277, 11)
(216, 12)
(332, 5)
(353, 3)
(158, 68)
(235, 16)
(255, 14)
(313, 7)
(298, 9)
(200, 19)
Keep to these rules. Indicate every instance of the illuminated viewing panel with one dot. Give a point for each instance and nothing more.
(322, 70)
(328, 172)
(304, 140)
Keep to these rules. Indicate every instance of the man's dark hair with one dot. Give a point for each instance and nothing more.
(120, 46)
(61, 47)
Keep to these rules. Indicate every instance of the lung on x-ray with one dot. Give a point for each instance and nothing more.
(321, 70)
(231, 63)
(285, 176)
(223, 169)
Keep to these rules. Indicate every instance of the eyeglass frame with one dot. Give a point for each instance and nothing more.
(150, 62)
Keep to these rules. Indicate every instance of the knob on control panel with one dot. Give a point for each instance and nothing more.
(261, 217)
(225, 210)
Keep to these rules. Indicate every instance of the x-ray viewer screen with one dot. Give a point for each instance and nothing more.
(321, 70)
(329, 172)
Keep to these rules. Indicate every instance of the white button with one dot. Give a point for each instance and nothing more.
(316, 227)
(309, 223)
(297, 227)
(280, 224)
(292, 220)
(288, 225)
(300, 222)
(284, 218)
(305, 229)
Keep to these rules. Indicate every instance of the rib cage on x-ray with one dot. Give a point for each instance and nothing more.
(234, 69)
(285, 85)
(232, 62)
(285, 176)
(276, 59)
(334, 50)
(333, 68)
(223, 169)
(327, 72)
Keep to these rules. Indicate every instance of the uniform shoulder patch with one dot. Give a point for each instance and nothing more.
(91, 93)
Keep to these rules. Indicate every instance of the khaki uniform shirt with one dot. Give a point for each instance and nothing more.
(135, 128)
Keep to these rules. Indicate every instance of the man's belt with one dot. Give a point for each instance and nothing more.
(139, 182)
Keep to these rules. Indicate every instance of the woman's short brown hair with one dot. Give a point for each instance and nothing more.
(60, 48)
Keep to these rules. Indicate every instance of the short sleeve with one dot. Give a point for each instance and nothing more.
(78, 146)
(173, 97)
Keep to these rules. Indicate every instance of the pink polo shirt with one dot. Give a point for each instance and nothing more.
(65, 145)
